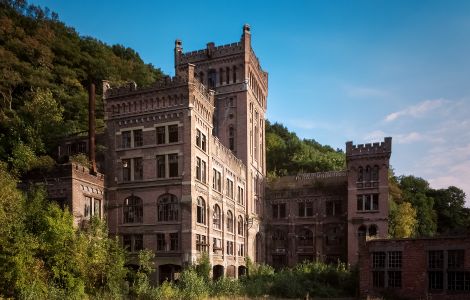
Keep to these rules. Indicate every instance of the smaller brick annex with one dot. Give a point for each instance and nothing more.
(424, 268)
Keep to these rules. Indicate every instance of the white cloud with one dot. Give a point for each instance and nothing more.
(417, 110)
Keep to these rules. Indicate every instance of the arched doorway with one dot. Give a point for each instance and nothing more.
(241, 271)
(217, 272)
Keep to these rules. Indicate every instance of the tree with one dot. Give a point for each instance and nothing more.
(452, 215)
(402, 220)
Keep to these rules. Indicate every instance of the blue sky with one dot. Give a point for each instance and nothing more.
(338, 70)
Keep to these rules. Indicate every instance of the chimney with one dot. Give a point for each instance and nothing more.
(91, 127)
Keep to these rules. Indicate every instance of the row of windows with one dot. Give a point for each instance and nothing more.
(201, 175)
(92, 207)
(368, 174)
(217, 217)
(167, 167)
(304, 238)
(305, 209)
(202, 245)
(368, 202)
(224, 76)
(165, 242)
(164, 135)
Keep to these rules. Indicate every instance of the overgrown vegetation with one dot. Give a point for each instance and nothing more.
(45, 68)
(287, 154)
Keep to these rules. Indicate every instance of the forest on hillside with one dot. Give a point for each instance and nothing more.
(45, 68)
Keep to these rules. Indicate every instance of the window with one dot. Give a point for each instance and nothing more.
(241, 250)
(240, 226)
(138, 138)
(241, 196)
(87, 212)
(168, 208)
(333, 208)
(279, 210)
(368, 202)
(227, 74)
(160, 135)
(138, 168)
(201, 211)
(231, 138)
(229, 248)
(386, 269)
(173, 165)
(133, 242)
(174, 241)
(216, 245)
(230, 221)
(161, 242)
(200, 140)
(201, 243)
(373, 230)
(216, 180)
(458, 281)
(161, 166)
(132, 169)
(455, 259)
(216, 217)
(173, 133)
(126, 170)
(305, 209)
(451, 262)
(200, 170)
(133, 210)
(229, 189)
(305, 238)
(97, 208)
(126, 139)
(375, 173)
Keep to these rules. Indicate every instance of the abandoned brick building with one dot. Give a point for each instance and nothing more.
(324, 216)
(185, 173)
(423, 268)
(186, 162)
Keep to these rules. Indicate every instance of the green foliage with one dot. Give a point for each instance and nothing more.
(45, 68)
(452, 215)
(43, 256)
(286, 154)
(402, 220)
(204, 267)
(192, 286)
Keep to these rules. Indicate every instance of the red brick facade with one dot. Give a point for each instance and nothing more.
(426, 268)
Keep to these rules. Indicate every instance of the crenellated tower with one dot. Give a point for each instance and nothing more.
(367, 167)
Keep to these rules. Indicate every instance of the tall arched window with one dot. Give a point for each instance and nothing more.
(360, 174)
(362, 231)
(229, 221)
(305, 238)
(240, 225)
(368, 173)
(133, 210)
(201, 210)
(216, 220)
(168, 208)
(375, 173)
(231, 137)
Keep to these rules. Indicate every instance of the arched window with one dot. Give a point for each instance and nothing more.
(375, 173)
(373, 230)
(201, 210)
(360, 174)
(305, 238)
(168, 208)
(201, 77)
(368, 173)
(229, 221)
(234, 74)
(231, 137)
(216, 220)
(240, 225)
(133, 210)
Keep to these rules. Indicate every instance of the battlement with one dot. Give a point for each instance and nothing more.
(320, 175)
(384, 147)
(130, 88)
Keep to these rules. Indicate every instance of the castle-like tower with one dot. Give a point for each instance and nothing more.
(368, 168)
(186, 163)
(241, 88)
